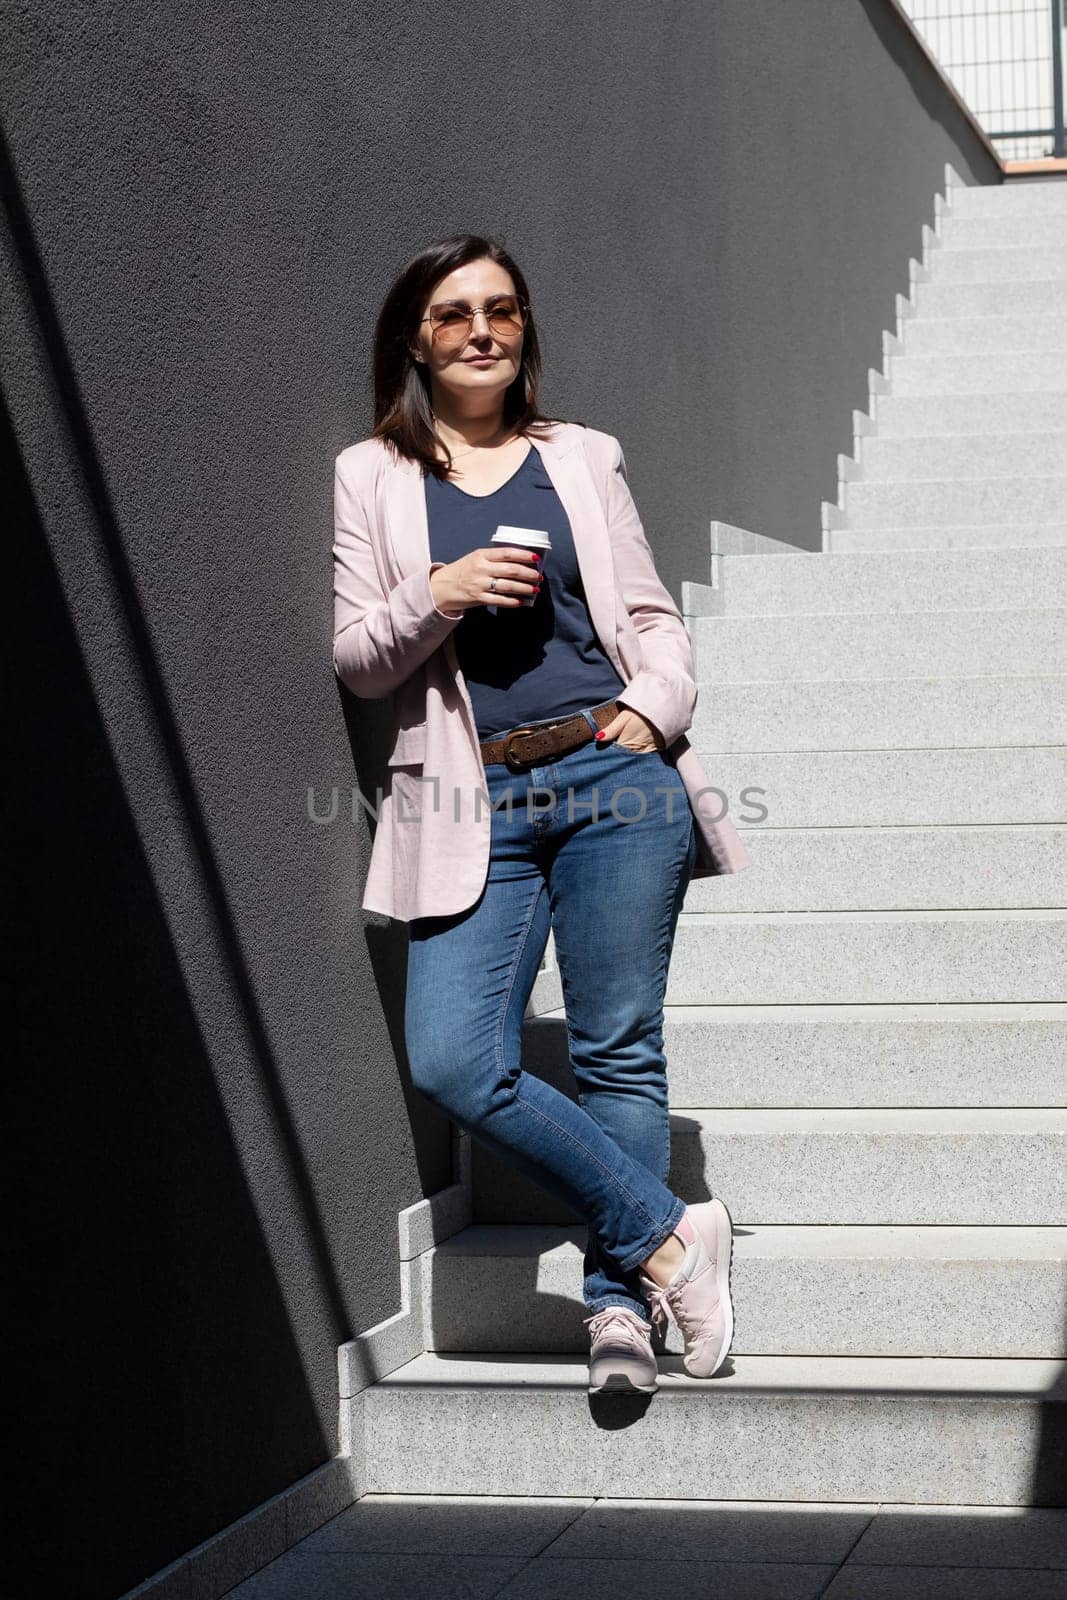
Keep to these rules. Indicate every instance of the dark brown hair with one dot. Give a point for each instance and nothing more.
(402, 397)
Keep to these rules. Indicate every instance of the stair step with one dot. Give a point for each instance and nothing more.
(881, 713)
(1017, 197)
(888, 1291)
(962, 1167)
(946, 501)
(978, 411)
(866, 582)
(1016, 373)
(980, 1054)
(781, 789)
(967, 456)
(1018, 263)
(893, 869)
(1002, 335)
(1038, 296)
(1014, 232)
(1006, 535)
(848, 648)
(894, 1428)
(863, 957)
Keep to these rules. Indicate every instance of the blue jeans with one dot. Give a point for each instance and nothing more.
(610, 882)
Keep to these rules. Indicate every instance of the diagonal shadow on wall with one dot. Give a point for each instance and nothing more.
(153, 1355)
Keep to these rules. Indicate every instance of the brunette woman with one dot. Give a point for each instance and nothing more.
(539, 777)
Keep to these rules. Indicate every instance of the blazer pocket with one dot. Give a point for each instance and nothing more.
(409, 746)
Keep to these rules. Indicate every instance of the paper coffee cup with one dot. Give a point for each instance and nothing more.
(524, 539)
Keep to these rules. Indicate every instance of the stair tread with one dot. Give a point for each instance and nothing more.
(793, 1241)
(942, 1121)
(1023, 481)
(940, 829)
(958, 1377)
(940, 527)
(1024, 551)
(715, 919)
(998, 315)
(937, 613)
(886, 684)
(874, 1011)
(1006, 1120)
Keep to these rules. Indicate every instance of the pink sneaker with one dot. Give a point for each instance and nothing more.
(697, 1299)
(621, 1355)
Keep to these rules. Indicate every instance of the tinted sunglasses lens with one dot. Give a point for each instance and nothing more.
(505, 319)
(451, 327)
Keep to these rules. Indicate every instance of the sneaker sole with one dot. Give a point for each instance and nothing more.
(715, 1226)
(619, 1383)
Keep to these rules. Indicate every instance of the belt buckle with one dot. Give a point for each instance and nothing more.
(510, 759)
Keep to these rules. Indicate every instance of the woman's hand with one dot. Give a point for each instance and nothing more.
(460, 585)
(633, 731)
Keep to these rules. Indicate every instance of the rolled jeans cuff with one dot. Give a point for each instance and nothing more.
(635, 1257)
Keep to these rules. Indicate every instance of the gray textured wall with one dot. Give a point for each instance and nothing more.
(715, 204)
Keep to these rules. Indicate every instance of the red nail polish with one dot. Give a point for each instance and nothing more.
(600, 735)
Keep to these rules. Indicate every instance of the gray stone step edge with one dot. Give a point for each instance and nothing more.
(959, 538)
(979, 1054)
(977, 1431)
(1025, 197)
(814, 583)
(856, 1289)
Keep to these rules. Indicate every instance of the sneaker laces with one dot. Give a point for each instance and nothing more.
(665, 1306)
(668, 1305)
(617, 1320)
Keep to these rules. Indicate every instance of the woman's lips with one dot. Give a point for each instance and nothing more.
(479, 361)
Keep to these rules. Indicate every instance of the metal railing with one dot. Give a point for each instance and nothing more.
(1005, 59)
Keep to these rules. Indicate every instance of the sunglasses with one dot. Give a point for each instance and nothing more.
(452, 320)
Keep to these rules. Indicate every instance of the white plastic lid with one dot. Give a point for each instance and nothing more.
(537, 537)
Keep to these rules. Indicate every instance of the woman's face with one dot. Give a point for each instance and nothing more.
(456, 364)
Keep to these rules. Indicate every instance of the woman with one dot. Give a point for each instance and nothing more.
(576, 801)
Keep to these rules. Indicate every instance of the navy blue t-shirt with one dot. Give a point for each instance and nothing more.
(529, 663)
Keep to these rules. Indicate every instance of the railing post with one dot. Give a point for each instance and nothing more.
(1059, 136)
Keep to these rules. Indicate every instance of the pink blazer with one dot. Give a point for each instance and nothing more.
(431, 846)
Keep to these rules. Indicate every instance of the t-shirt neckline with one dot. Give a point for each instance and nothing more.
(467, 494)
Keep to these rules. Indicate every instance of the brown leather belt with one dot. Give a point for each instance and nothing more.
(529, 744)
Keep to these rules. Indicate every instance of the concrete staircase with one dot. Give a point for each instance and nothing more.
(867, 1032)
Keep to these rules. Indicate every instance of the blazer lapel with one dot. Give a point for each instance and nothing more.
(565, 463)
